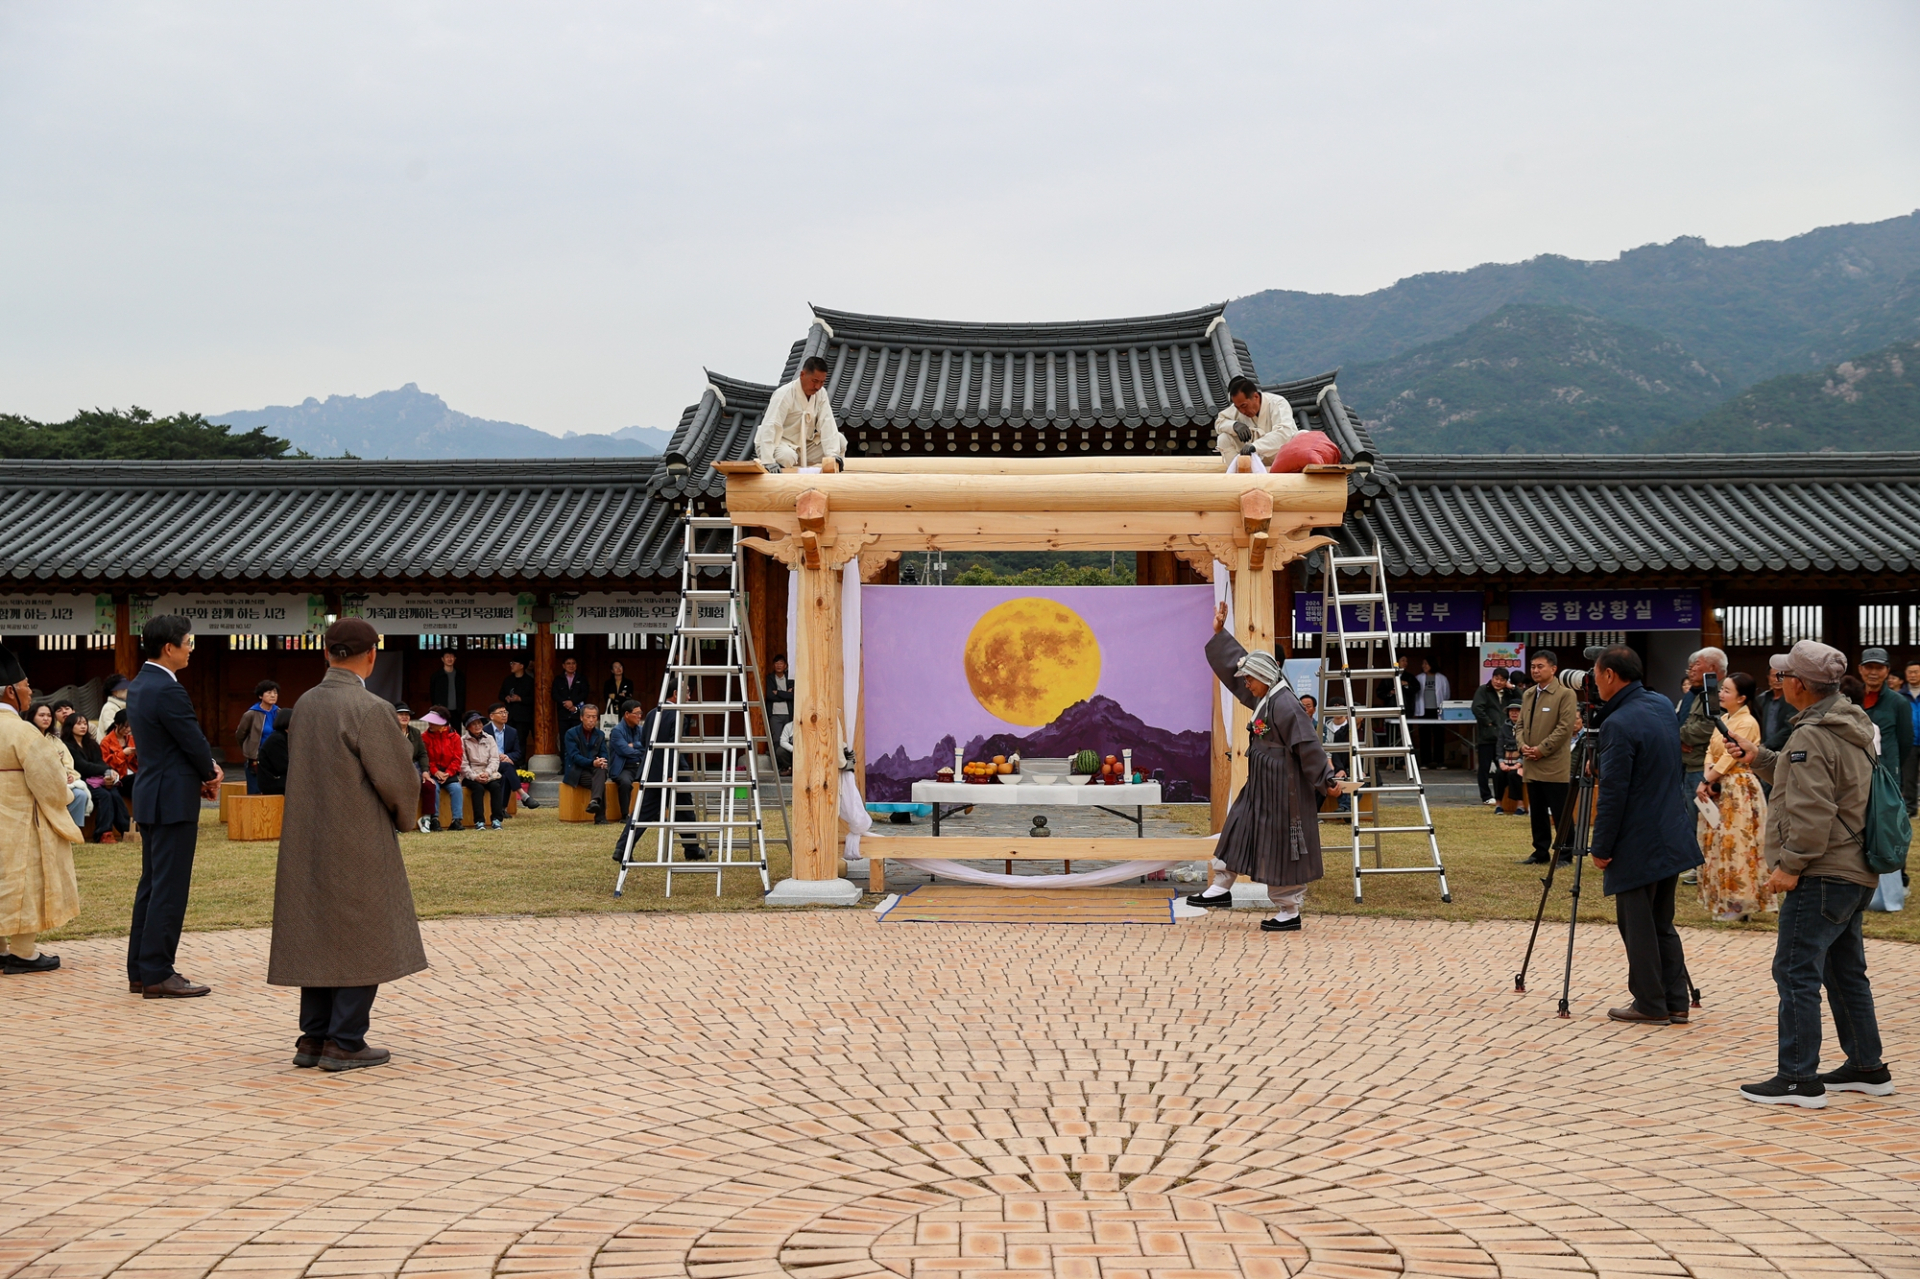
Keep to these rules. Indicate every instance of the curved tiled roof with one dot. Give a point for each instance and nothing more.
(919, 386)
(1574, 513)
(718, 427)
(316, 520)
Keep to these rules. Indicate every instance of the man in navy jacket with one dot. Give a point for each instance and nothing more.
(176, 767)
(1643, 835)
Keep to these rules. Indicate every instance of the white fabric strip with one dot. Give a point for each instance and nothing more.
(1114, 874)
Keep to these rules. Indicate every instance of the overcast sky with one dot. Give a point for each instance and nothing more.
(558, 213)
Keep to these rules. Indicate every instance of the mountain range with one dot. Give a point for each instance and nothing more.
(411, 423)
(1556, 354)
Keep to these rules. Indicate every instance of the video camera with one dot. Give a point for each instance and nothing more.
(1582, 682)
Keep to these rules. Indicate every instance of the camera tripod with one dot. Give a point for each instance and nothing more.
(1574, 843)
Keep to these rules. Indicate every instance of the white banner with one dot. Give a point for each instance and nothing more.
(443, 614)
(56, 614)
(236, 614)
(615, 613)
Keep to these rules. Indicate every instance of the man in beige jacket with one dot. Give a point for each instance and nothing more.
(1821, 779)
(37, 888)
(1549, 717)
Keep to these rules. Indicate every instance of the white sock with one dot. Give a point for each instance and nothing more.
(1289, 903)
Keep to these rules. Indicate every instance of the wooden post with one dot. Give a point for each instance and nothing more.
(816, 771)
(546, 740)
(1253, 627)
(754, 571)
(1220, 775)
(126, 648)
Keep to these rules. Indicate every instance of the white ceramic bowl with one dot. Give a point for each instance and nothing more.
(1078, 779)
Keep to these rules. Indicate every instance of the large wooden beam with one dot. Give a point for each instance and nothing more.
(816, 736)
(1079, 491)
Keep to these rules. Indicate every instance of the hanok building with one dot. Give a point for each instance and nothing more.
(551, 559)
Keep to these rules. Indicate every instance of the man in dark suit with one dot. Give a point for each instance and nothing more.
(176, 770)
(570, 693)
(512, 753)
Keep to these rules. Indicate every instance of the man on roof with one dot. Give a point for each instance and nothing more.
(1259, 422)
(798, 429)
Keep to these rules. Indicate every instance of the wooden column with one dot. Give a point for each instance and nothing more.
(817, 677)
(126, 647)
(754, 582)
(546, 740)
(1253, 627)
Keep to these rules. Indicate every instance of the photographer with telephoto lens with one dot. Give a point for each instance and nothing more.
(1643, 835)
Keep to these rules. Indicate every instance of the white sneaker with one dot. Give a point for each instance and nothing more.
(496, 823)
(1491, 803)
(426, 825)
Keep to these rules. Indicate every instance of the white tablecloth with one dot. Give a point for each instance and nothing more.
(1062, 796)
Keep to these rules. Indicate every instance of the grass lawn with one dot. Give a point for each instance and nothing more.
(539, 865)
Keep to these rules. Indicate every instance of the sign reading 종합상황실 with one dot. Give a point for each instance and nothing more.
(56, 614)
(500, 614)
(617, 613)
(1650, 610)
(1412, 611)
(235, 614)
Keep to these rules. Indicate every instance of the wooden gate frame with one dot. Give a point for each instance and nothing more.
(876, 509)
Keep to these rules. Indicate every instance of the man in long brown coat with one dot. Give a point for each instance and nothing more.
(343, 919)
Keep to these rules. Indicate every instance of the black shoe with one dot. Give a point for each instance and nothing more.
(14, 966)
(1208, 899)
(595, 806)
(694, 854)
(433, 825)
(1280, 925)
(1535, 860)
(529, 802)
(1877, 1082)
(599, 819)
(307, 1050)
(1786, 1092)
(455, 825)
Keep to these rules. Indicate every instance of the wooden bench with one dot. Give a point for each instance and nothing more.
(574, 799)
(1069, 849)
(446, 806)
(254, 817)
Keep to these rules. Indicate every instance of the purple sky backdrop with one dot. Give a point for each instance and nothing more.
(1152, 659)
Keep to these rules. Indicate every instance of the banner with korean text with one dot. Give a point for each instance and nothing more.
(618, 613)
(235, 614)
(500, 614)
(1649, 610)
(1413, 611)
(56, 614)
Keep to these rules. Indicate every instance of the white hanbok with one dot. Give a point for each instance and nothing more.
(798, 429)
(1271, 427)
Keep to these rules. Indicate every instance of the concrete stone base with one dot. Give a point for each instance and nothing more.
(1250, 896)
(544, 763)
(814, 892)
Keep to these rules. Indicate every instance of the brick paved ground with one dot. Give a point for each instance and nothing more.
(820, 1096)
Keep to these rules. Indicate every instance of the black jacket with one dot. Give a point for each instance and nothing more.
(520, 713)
(1490, 713)
(448, 690)
(580, 694)
(174, 756)
(271, 765)
(1643, 819)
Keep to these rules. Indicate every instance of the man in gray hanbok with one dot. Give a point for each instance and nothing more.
(1272, 832)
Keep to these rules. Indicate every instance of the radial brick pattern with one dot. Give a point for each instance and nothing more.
(816, 1095)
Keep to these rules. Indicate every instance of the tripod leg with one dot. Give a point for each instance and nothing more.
(1573, 922)
(1575, 840)
(1546, 887)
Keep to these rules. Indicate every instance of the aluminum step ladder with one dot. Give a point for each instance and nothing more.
(710, 776)
(1359, 676)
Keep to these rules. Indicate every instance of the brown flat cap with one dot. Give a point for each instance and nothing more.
(350, 637)
(1811, 662)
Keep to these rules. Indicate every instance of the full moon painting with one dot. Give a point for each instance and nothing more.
(1038, 671)
(1029, 659)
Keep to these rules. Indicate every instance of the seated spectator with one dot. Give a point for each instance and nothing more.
(111, 818)
(628, 746)
(512, 750)
(272, 761)
(616, 689)
(1509, 774)
(82, 801)
(256, 723)
(429, 793)
(62, 711)
(117, 749)
(585, 752)
(480, 771)
(446, 759)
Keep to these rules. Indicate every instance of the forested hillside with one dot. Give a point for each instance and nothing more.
(1868, 403)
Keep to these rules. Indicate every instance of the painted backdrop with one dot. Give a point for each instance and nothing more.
(1042, 671)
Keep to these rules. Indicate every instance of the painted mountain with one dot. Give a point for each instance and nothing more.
(1098, 724)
